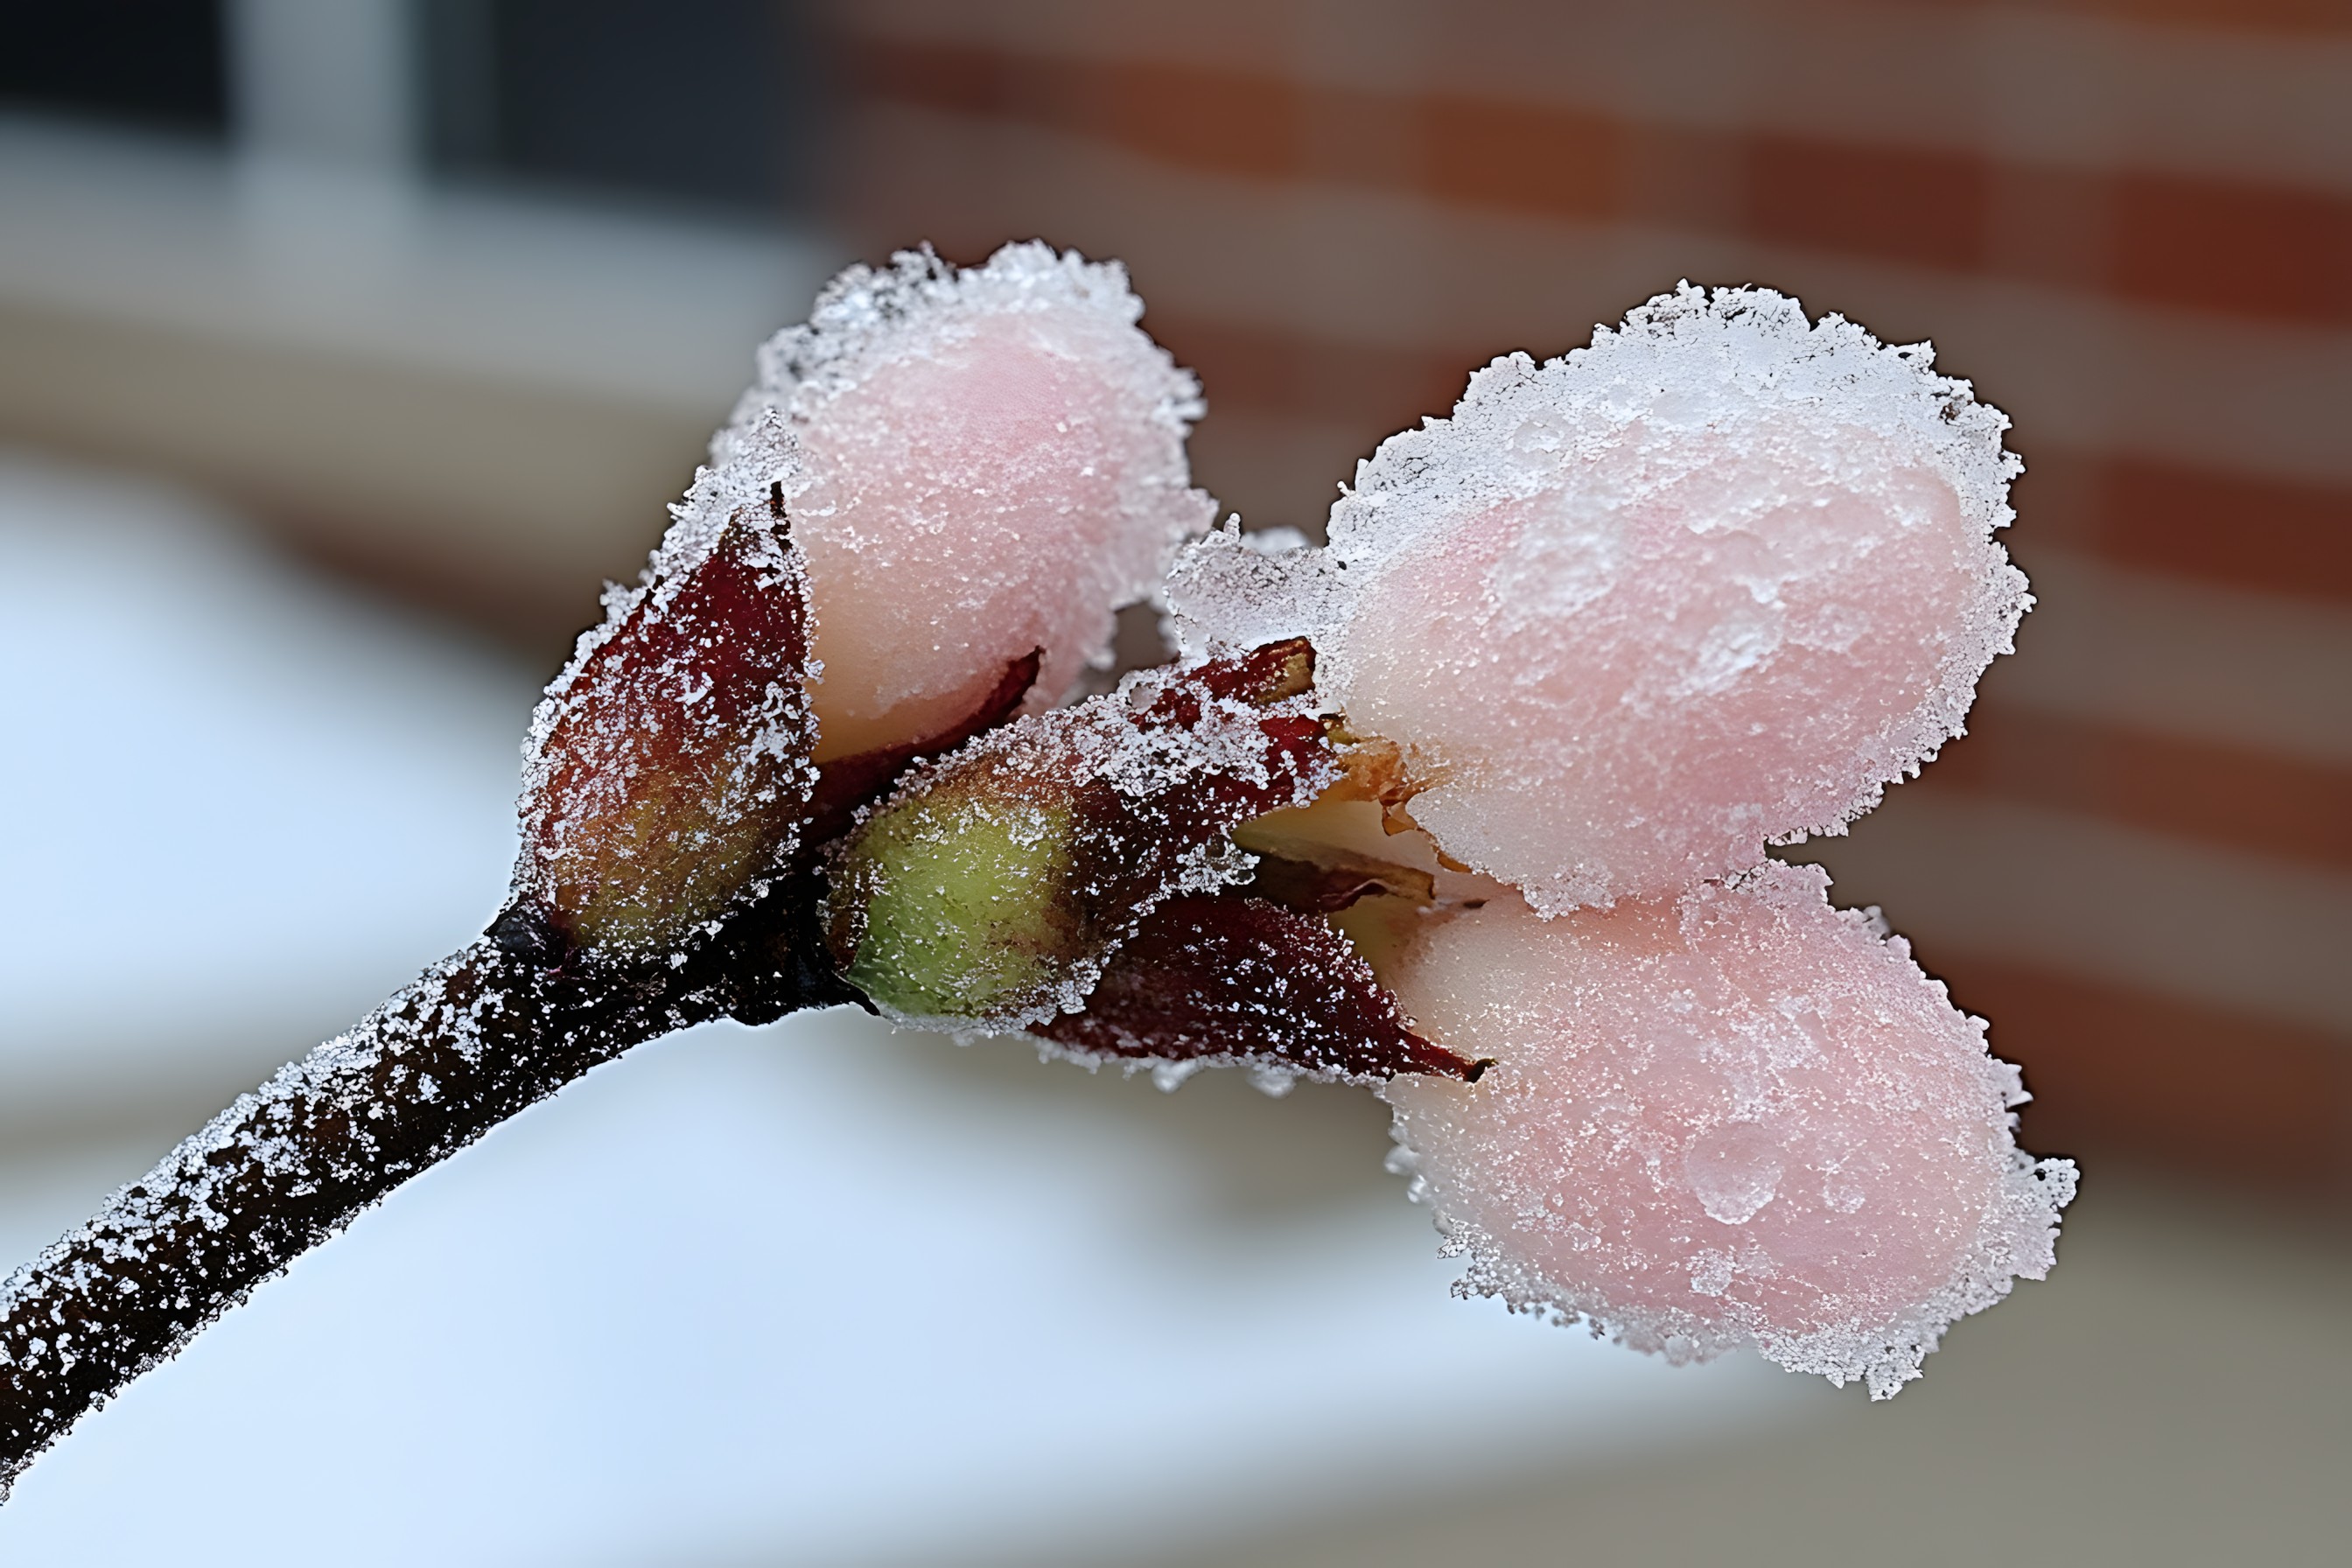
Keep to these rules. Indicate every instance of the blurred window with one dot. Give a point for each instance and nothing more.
(706, 100)
(159, 63)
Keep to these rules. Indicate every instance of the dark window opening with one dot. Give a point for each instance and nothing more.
(156, 63)
(706, 101)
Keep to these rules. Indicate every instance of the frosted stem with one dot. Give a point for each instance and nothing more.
(479, 1037)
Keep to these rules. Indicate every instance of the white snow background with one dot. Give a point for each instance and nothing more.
(788, 1291)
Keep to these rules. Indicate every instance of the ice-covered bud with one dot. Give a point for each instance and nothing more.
(989, 890)
(669, 765)
(1713, 582)
(992, 461)
(1232, 978)
(1738, 1117)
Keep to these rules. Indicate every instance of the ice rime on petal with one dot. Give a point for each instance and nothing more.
(994, 463)
(1738, 1117)
(1714, 581)
(1230, 590)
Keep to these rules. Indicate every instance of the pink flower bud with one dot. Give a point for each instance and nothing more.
(1711, 583)
(990, 461)
(1737, 1117)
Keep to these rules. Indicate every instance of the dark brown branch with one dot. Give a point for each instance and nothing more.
(478, 1037)
(514, 1017)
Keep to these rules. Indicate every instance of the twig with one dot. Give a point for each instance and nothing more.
(478, 1037)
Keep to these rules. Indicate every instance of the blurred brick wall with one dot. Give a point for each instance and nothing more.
(2129, 222)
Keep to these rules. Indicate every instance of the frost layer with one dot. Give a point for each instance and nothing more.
(991, 890)
(666, 771)
(992, 460)
(1715, 580)
(1739, 1117)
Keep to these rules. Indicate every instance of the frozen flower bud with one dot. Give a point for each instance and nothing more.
(669, 761)
(1737, 1117)
(1247, 979)
(1713, 582)
(992, 461)
(990, 891)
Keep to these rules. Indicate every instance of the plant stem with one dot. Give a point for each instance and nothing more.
(480, 1036)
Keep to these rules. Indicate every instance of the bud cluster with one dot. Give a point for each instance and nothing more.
(1588, 646)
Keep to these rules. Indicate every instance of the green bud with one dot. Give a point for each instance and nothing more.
(993, 889)
(966, 905)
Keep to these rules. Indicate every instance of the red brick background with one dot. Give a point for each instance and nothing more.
(2129, 221)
